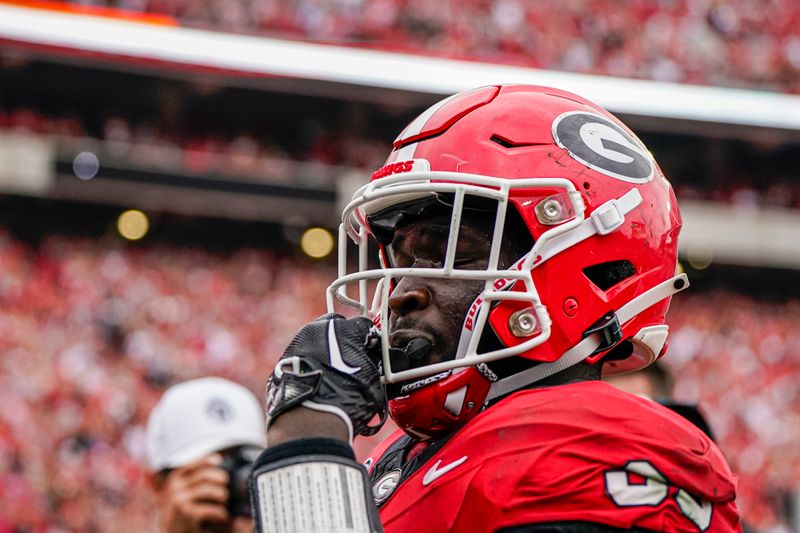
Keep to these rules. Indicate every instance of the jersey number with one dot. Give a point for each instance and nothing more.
(653, 491)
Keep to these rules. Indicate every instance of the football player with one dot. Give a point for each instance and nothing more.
(527, 243)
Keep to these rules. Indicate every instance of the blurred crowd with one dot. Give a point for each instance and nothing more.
(240, 155)
(318, 160)
(747, 43)
(92, 331)
(91, 335)
(739, 358)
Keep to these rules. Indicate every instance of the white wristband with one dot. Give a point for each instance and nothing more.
(312, 494)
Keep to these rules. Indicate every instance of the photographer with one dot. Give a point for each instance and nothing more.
(202, 437)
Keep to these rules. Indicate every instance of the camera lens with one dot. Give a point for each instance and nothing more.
(237, 462)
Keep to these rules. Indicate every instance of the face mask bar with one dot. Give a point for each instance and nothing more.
(393, 190)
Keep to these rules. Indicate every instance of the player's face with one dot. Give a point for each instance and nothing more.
(434, 308)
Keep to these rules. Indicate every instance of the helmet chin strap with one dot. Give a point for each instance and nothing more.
(587, 346)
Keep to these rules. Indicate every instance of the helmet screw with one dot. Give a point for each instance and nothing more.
(552, 209)
(470, 405)
(522, 323)
(570, 307)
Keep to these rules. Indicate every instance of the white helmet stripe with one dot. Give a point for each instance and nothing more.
(417, 125)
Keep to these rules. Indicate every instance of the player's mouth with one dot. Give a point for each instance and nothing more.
(399, 338)
(409, 348)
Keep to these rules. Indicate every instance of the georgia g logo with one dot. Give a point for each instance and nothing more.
(384, 487)
(604, 146)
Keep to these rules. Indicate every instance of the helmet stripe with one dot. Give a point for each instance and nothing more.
(416, 126)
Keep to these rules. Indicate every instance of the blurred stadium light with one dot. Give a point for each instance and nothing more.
(699, 255)
(317, 243)
(133, 224)
(85, 165)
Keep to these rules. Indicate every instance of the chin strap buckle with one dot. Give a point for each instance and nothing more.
(607, 217)
(609, 330)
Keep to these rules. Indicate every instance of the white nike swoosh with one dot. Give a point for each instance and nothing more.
(336, 356)
(435, 472)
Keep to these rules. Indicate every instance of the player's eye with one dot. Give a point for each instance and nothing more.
(462, 262)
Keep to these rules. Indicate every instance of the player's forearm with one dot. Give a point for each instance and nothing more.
(303, 423)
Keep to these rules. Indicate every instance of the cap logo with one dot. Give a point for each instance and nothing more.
(604, 146)
(219, 410)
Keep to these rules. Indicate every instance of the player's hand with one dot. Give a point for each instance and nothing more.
(194, 497)
(331, 367)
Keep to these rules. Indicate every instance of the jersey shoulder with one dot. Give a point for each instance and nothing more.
(577, 451)
(594, 410)
(584, 451)
(596, 423)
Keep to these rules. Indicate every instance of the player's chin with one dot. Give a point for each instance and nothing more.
(436, 356)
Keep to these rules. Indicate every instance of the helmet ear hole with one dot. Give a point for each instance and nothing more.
(620, 352)
(608, 274)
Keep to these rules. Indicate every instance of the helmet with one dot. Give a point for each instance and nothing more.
(596, 282)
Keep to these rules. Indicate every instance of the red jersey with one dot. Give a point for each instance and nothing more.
(579, 452)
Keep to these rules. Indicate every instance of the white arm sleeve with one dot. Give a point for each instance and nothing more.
(312, 493)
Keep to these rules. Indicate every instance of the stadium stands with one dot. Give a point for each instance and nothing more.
(199, 152)
(92, 332)
(739, 359)
(245, 154)
(736, 43)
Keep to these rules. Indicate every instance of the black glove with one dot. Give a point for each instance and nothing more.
(331, 365)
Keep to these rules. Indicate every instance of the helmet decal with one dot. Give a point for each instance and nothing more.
(604, 146)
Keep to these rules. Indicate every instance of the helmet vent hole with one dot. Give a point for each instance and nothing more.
(501, 141)
(506, 143)
(586, 185)
(607, 275)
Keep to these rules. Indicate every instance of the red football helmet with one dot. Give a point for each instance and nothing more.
(597, 281)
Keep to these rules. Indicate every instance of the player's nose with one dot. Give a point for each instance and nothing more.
(406, 299)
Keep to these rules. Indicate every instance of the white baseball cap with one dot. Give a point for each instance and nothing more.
(199, 417)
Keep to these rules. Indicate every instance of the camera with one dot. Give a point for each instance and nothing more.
(237, 462)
